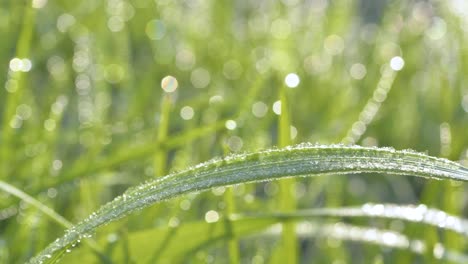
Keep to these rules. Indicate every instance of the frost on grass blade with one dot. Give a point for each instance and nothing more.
(300, 160)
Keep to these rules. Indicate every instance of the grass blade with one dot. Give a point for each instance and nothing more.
(287, 197)
(49, 212)
(412, 213)
(300, 160)
(37, 204)
(381, 237)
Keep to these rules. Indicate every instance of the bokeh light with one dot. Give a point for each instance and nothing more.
(259, 109)
(169, 84)
(357, 71)
(200, 78)
(187, 112)
(23, 65)
(277, 107)
(231, 124)
(155, 29)
(83, 118)
(292, 80)
(397, 63)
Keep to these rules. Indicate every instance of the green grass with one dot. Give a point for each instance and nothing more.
(98, 164)
(272, 164)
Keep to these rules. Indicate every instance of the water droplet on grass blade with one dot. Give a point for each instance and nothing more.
(300, 160)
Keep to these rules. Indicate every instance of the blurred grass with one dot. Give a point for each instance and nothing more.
(84, 123)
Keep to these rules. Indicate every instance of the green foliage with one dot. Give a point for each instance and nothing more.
(83, 118)
(272, 164)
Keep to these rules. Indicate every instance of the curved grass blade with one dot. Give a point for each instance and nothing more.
(386, 238)
(300, 160)
(411, 213)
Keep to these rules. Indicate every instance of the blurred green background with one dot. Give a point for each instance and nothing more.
(83, 115)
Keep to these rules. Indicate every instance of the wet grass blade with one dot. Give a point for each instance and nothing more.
(381, 237)
(412, 213)
(300, 160)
